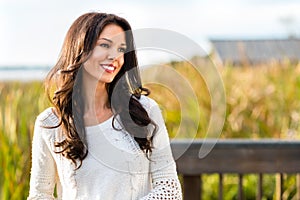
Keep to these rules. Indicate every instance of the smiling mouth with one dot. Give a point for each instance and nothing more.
(108, 68)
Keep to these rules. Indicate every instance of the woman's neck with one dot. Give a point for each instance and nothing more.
(96, 109)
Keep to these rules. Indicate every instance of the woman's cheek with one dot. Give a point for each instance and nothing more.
(99, 55)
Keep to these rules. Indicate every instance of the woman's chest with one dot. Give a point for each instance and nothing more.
(115, 150)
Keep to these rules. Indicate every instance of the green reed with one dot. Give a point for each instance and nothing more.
(20, 103)
(263, 102)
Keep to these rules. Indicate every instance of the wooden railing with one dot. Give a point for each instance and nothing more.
(236, 157)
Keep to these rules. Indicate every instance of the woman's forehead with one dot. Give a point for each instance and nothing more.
(114, 33)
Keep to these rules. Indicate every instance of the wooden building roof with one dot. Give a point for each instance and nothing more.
(256, 51)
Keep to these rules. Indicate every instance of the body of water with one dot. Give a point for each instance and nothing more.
(23, 73)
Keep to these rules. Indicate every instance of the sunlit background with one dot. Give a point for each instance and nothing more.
(262, 98)
(32, 31)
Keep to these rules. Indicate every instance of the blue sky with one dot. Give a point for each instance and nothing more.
(32, 31)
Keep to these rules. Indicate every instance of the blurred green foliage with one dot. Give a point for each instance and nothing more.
(20, 103)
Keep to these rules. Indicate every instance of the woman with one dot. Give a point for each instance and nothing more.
(103, 138)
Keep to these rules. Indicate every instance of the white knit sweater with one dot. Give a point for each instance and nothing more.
(114, 169)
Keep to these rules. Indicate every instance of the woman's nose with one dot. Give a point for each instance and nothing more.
(113, 54)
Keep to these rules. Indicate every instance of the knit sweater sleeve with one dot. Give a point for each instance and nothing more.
(43, 170)
(165, 181)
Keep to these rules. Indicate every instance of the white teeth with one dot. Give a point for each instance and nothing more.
(108, 67)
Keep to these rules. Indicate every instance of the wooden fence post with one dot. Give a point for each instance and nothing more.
(192, 187)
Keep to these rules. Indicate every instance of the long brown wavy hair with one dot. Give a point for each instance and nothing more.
(63, 87)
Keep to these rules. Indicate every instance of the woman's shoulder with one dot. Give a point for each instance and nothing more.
(43, 123)
(48, 117)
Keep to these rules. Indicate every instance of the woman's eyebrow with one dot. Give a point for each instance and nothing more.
(110, 41)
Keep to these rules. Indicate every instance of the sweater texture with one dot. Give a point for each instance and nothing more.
(115, 167)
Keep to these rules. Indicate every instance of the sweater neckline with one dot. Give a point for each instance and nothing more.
(100, 126)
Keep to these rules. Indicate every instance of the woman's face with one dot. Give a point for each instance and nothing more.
(107, 57)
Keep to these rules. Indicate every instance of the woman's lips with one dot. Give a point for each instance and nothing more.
(109, 68)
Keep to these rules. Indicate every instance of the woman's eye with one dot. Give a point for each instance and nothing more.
(104, 45)
(122, 50)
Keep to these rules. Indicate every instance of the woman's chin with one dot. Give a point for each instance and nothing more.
(106, 80)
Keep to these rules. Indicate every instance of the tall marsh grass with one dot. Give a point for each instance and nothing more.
(20, 103)
(262, 102)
